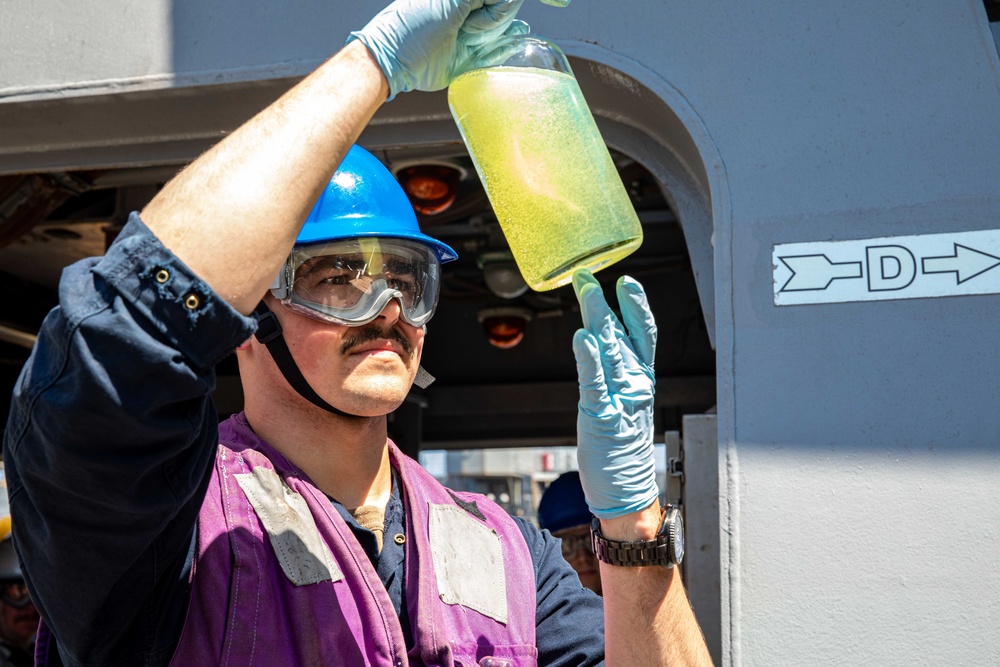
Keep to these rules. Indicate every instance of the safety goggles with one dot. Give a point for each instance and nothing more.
(15, 594)
(350, 281)
(573, 543)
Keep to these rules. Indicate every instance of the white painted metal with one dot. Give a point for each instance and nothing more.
(702, 570)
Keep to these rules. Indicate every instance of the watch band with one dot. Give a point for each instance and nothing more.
(666, 550)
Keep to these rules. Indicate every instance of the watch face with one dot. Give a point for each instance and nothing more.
(678, 537)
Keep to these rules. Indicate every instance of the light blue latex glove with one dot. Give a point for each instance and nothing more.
(615, 416)
(423, 44)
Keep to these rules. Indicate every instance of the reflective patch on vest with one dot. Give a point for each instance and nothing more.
(290, 526)
(468, 562)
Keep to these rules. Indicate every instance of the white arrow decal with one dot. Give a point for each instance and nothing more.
(966, 263)
(816, 272)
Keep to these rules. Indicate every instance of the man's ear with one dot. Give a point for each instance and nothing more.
(245, 345)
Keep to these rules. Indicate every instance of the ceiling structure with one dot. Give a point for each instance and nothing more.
(484, 395)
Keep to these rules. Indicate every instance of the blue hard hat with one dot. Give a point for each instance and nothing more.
(563, 504)
(364, 199)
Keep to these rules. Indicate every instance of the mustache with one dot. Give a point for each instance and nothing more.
(371, 332)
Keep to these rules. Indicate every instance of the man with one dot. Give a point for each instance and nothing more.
(563, 512)
(244, 543)
(18, 617)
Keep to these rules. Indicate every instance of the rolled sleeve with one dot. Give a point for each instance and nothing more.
(161, 288)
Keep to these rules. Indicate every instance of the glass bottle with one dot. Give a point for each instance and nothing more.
(550, 178)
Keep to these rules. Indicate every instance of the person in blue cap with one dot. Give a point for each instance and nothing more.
(18, 617)
(296, 533)
(563, 511)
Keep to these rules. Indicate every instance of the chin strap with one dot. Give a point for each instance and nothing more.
(269, 333)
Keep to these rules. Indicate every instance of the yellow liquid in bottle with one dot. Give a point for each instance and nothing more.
(549, 176)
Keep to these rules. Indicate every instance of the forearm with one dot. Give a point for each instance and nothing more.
(233, 214)
(647, 617)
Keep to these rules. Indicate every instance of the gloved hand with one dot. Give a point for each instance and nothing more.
(615, 416)
(423, 44)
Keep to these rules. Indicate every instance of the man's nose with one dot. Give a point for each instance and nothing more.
(392, 311)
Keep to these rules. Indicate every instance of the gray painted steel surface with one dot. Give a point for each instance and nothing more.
(858, 442)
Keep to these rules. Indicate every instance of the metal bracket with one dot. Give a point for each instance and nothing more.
(674, 473)
(675, 466)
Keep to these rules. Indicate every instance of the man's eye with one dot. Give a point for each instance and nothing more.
(339, 279)
(402, 284)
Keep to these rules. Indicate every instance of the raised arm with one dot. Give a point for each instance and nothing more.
(647, 617)
(233, 214)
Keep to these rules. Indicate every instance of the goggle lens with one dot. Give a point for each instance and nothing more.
(350, 281)
(15, 594)
(573, 543)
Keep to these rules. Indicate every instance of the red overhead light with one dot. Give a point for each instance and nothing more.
(504, 327)
(431, 188)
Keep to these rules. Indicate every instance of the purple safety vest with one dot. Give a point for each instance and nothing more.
(279, 578)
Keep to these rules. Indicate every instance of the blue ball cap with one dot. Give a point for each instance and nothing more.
(563, 504)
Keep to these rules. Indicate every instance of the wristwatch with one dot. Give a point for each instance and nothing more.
(666, 550)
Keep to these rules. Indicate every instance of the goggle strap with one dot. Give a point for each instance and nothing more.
(268, 327)
(269, 334)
